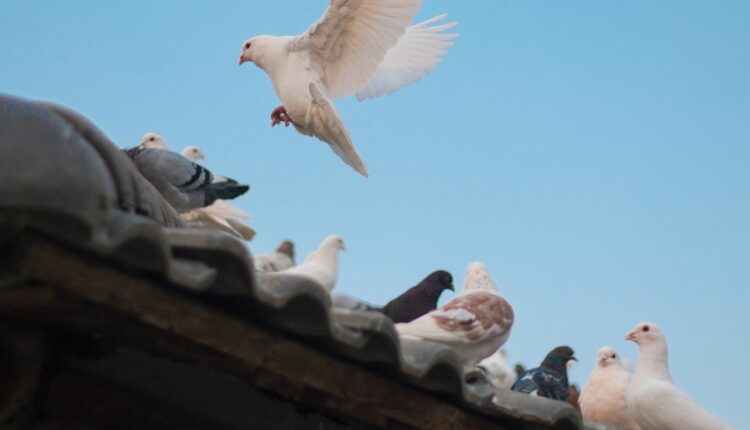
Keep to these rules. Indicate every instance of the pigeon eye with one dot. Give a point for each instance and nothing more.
(613, 356)
(645, 328)
(247, 45)
(151, 138)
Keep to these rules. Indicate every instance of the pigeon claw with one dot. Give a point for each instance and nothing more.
(280, 115)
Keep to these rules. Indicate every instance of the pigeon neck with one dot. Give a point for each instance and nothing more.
(556, 365)
(653, 361)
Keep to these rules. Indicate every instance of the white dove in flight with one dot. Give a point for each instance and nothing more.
(362, 47)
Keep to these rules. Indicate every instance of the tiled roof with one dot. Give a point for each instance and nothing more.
(75, 214)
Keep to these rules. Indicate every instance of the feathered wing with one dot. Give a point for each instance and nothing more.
(351, 39)
(661, 405)
(226, 210)
(328, 127)
(465, 319)
(415, 54)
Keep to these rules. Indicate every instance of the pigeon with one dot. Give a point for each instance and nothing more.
(654, 401)
(321, 265)
(475, 324)
(281, 259)
(358, 46)
(153, 140)
(220, 215)
(603, 397)
(182, 183)
(192, 153)
(420, 299)
(497, 370)
(550, 379)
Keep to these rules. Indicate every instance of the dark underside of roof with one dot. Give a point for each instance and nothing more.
(114, 315)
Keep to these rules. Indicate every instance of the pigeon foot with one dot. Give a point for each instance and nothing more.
(279, 115)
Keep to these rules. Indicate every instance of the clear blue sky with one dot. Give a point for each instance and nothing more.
(595, 155)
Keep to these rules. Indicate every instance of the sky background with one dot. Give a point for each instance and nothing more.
(594, 155)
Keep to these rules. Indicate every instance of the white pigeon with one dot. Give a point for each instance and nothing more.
(358, 46)
(321, 265)
(603, 398)
(153, 140)
(475, 324)
(497, 370)
(654, 401)
(281, 259)
(193, 153)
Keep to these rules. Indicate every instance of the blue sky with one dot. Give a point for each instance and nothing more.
(593, 154)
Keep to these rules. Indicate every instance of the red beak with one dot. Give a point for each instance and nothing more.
(242, 60)
(630, 336)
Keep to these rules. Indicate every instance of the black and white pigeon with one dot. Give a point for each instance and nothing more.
(550, 379)
(420, 299)
(182, 183)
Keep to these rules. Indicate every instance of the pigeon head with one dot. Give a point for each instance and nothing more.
(559, 357)
(152, 140)
(287, 248)
(645, 333)
(441, 279)
(193, 153)
(607, 357)
(260, 49)
(333, 241)
(478, 279)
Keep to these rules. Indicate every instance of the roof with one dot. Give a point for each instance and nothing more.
(82, 227)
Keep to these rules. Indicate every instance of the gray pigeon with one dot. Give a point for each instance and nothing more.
(182, 183)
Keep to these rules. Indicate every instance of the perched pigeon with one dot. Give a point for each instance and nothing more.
(220, 215)
(153, 140)
(193, 153)
(282, 258)
(654, 401)
(603, 397)
(358, 46)
(420, 299)
(550, 379)
(497, 370)
(321, 265)
(182, 183)
(475, 324)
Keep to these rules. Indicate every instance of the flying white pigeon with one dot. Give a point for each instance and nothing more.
(497, 370)
(654, 401)
(281, 259)
(321, 265)
(475, 324)
(362, 47)
(603, 398)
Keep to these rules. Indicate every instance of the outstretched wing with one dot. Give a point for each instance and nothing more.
(351, 39)
(415, 54)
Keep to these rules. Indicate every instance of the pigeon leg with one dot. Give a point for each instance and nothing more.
(278, 115)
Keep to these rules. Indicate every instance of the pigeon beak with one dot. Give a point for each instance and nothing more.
(574, 359)
(630, 336)
(242, 60)
(450, 287)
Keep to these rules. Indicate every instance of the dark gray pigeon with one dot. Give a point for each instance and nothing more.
(551, 378)
(182, 183)
(420, 299)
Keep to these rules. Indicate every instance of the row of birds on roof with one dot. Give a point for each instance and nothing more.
(478, 322)
(369, 48)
